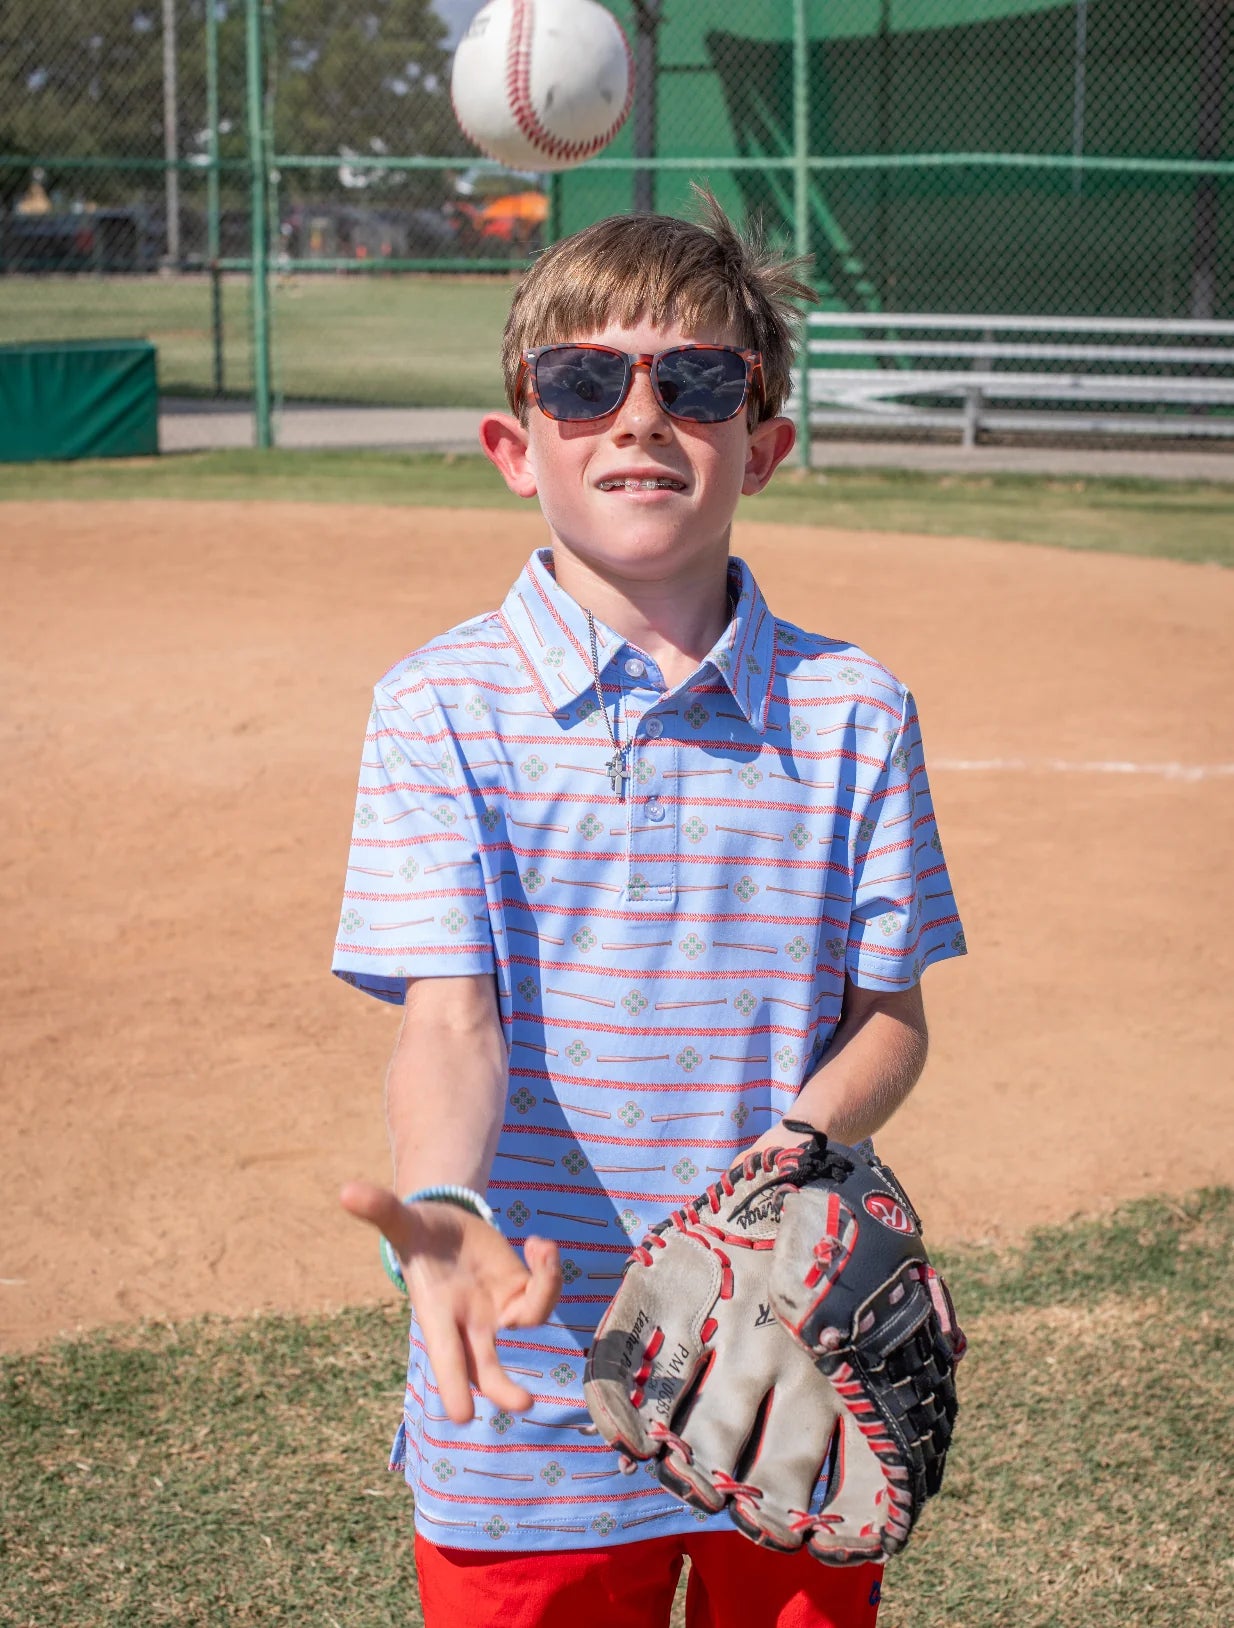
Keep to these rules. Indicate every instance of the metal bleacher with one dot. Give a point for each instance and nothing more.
(1020, 374)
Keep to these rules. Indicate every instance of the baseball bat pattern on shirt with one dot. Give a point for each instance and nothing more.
(670, 965)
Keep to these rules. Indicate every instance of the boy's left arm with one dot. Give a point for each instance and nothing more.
(875, 1058)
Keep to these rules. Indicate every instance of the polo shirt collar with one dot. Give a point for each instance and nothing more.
(549, 630)
(745, 656)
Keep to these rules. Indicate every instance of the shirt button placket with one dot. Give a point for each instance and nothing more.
(652, 808)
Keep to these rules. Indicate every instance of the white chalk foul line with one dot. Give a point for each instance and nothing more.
(1054, 765)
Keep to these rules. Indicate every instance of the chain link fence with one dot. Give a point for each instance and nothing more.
(124, 181)
(250, 178)
(82, 101)
(966, 155)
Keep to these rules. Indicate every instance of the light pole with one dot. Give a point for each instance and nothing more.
(647, 17)
(259, 180)
(171, 136)
(212, 189)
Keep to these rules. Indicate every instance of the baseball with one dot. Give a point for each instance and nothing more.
(542, 84)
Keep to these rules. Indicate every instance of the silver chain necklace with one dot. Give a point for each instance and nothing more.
(615, 768)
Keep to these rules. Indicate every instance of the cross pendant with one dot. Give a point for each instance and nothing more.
(617, 774)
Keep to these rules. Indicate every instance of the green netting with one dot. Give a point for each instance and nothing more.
(931, 93)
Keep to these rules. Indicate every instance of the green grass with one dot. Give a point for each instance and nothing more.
(1174, 520)
(1179, 520)
(1099, 1403)
(286, 477)
(232, 1472)
(413, 341)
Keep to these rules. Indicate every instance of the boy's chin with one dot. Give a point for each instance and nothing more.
(639, 540)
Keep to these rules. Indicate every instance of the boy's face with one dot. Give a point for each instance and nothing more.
(577, 470)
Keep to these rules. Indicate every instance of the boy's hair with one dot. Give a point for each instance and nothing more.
(660, 269)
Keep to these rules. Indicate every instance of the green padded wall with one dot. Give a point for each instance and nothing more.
(89, 398)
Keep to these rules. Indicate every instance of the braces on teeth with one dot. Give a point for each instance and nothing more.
(640, 485)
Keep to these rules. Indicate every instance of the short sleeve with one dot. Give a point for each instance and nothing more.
(414, 903)
(903, 913)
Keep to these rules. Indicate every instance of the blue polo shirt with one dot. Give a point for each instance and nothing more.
(670, 965)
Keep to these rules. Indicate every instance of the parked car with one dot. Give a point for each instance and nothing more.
(330, 231)
(103, 240)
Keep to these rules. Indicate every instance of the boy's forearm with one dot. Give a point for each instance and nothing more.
(875, 1058)
(873, 1062)
(445, 1096)
(445, 1101)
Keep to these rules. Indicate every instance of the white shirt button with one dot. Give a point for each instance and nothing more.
(654, 809)
(655, 728)
(636, 668)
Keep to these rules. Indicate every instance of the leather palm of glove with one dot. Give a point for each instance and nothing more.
(782, 1347)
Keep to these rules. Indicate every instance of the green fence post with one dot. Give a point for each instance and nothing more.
(801, 203)
(212, 191)
(258, 176)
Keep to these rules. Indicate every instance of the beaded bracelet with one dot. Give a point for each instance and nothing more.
(463, 1198)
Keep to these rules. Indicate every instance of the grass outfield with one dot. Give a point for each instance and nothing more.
(410, 341)
(1174, 520)
(233, 1471)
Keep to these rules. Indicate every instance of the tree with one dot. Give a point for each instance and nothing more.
(85, 78)
(82, 78)
(368, 78)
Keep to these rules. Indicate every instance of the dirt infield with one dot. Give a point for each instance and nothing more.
(185, 1086)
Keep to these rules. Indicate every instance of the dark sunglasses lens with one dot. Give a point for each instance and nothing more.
(704, 386)
(575, 383)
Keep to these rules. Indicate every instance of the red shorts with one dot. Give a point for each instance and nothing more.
(733, 1584)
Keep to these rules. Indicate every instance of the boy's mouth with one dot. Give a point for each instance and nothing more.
(660, 483)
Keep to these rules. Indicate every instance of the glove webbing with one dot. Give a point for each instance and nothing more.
(913, 1396)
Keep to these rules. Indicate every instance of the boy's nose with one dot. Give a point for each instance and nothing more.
(640, 415)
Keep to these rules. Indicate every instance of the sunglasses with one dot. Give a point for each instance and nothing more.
(701, 384)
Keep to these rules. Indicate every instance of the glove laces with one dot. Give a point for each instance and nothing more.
(818, 1160)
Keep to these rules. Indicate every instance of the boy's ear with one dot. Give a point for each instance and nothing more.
(505, 444)
(770, 443)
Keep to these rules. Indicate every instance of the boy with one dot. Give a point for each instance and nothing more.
(648, 868)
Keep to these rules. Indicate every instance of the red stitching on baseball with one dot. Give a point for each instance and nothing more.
(518, 88)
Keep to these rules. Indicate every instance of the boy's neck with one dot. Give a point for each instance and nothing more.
(676, 621)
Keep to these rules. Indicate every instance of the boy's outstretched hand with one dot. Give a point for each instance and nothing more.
(466, 1283)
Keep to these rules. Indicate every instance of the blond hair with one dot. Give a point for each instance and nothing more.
(656, 268)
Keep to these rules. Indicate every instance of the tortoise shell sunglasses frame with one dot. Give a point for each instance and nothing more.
(610, 387)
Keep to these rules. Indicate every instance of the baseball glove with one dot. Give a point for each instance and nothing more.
(783, 1347)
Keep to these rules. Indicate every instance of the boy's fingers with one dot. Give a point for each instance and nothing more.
(448, 1357)
(491, 1378)
(538, 1294)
